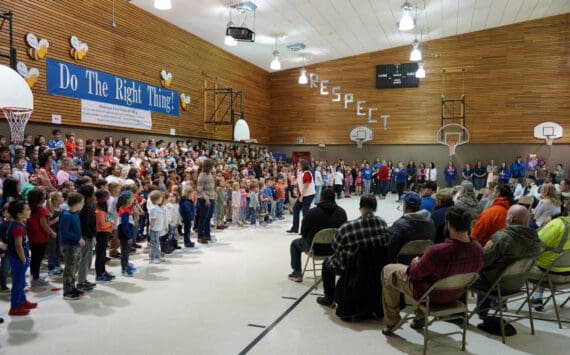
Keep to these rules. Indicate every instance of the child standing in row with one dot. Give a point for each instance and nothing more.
(39, 233)
(88, 233)
(281, 188)
(125, 211)
(253, 202)
(236, 204)
(19, 254)
(53, 250)
(156, 224)
(104, 227)
(187, 214)
(172, 216)
(71, 243)
(220, 202)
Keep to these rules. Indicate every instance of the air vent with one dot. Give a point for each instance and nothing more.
(295, 47)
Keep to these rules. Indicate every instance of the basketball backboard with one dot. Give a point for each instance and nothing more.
(548, 131)
(361, 134)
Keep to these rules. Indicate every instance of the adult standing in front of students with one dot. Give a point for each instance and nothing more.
(205, 186)
(306, 192)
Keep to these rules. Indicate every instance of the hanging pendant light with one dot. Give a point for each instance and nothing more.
(416, 53)
(163, 4)
(406, 22)
(421, 73)
(275, 63)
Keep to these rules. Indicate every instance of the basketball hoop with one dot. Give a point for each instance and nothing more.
(17, 118)
(452, 135)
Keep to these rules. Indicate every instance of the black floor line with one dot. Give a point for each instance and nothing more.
(275, 322)
(256, 325)
(317, 294)
(289, 298)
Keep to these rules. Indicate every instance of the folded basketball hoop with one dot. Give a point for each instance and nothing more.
(452, 135)
(16, 101)
(17, 119)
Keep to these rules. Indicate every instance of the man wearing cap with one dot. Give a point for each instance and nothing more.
(466, 199)
(443, 200)
(415, 224)
(426, 190)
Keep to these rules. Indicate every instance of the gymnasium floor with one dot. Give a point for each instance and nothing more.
(216, 299)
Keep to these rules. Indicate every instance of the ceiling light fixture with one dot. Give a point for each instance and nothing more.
(421, 73)
(416, 53)
(303, 77)
(229, 40)
(163, 4)
(275, 63)
(406, 22)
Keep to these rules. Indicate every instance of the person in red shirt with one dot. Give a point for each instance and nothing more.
(70, 145)
(457, 255)
(39, 233)
(384, 179)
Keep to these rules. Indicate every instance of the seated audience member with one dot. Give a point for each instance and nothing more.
(466, 199)
(367, 231)
(514, 242)
(516, 187)
(426, 190)
(494, 218)
(555, 240)
(565, 196)
(457, 255)
(531, 188)
(415, 224)
(547, 207)
(443, 200)
(488, 195)
(327, 214)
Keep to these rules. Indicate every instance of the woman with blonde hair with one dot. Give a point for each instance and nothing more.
(547, 207)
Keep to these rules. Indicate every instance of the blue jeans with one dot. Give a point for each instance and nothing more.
(18, 296)
(318, 189)
(383, 187)
(206, 213)
(301, 206)
(449, 181)
(253, 215)
(367, 186)
(483, 284)
(187, 232)
(298, 246)
(154, 251)
(279, 208)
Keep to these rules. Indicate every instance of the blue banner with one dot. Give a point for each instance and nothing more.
(71, 80)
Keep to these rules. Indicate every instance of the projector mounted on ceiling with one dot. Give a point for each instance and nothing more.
(241, 34)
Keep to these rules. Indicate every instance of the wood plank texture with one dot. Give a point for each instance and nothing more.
(516, 77)
(137, 48)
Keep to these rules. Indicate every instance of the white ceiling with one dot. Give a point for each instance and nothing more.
(334, 29)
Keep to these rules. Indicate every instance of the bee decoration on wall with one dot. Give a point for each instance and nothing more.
(38, 49)
(166, 78)
(78, 49)
(30, 75)
(184, 101)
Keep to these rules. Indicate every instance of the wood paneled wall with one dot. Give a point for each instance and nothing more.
(516, 77)
(137, 48)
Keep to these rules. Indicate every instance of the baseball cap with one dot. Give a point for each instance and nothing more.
(412, 199)
(468, 186)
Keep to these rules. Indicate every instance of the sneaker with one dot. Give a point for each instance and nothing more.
(292, 231)
(137, 246)
(29, 305)
(128, 273)
(115, 256)
(103, 278)
(4, 289)
(71, 295)
(109, 275)
(537, 304)
(202, 240)
(86, 286)
(190, 245)
(296, 276)
(19, 311)
(155, 261)
(132, 266)
(325, 301)
(418, 323)
(39, 283)
(388, 331)
(79, 292)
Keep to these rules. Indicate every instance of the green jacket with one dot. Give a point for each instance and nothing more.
(510, 244)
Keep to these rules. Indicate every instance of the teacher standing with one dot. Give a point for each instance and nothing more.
(306, 192)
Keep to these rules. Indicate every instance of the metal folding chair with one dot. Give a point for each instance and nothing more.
(323, 237)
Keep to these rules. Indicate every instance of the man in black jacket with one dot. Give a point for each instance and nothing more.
(327, 214)
(415, 224)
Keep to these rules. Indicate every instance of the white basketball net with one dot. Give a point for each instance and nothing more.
(17, 118)
(549, 140)
(359, 143)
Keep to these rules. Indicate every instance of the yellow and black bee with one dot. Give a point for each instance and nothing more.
(184, 101)
(38, 49)
(166, 78)
(78, 49)
(30, 75)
